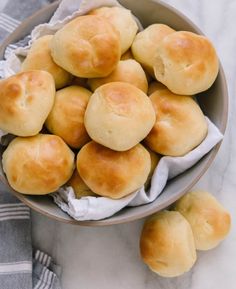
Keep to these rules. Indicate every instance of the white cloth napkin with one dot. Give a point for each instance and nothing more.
(96, 208)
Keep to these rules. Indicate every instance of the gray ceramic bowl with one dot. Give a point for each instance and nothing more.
(214, 103)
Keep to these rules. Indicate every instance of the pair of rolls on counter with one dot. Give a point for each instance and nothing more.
(169, 239)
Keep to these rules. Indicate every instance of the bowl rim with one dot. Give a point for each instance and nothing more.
(126, 219)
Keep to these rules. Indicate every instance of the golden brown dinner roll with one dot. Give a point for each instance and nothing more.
(186, 63)
(155, 158)
(26, 100)
(39, 58)
(66, 118)
(113, 174)
(119, 116)
(38, 165)
(167, 244)
(209, 220)
(146, 42)
(79, 186)
(123, 21)
(126, 71)
(88, 46)
(180, 124)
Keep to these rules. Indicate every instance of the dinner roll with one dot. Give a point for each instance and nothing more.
(167, 244)
(186, 63)
(209, 220)
(123, 21)
(26, 100)
(119, 116)
(38, 165)
(126, 71)
(146, 42)
(180, 124)
(39, 58)
(79, 187)
(66, 118)
(113, 174)
(88, 46)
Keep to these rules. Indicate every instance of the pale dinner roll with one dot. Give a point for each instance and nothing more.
(123, 20)
(66, 118)
(79, 186)
(146, 42)
(38, 165)
(26, 100)
(88, 46)
(209, 220)
(113, 174)
(167, 244)
(119, 116)
(180, 124)
(39, 58)
(186, 63)
(126, 71)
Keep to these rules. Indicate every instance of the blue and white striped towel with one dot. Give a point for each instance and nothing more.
(20, 268)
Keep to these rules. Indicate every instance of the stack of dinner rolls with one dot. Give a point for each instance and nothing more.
(169, 239)
(98, 103)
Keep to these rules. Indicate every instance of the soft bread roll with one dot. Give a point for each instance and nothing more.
(88, 46)
(146, 42)
(180, 124)
(113, 174)
(129, 71)
(119, 116)
(186, 63)
(38, 165)
(123, 21)
(39, 58)
(79, 186)
(167, 244)
(209, 220)
(66, 118)
(26, 100)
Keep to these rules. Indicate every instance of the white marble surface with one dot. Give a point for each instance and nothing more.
(108, 257)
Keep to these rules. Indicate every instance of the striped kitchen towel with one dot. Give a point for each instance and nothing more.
(20, 268)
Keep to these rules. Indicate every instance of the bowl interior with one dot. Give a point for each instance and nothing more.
(213, 102)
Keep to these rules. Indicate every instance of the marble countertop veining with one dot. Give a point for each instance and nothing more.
(108, 257)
